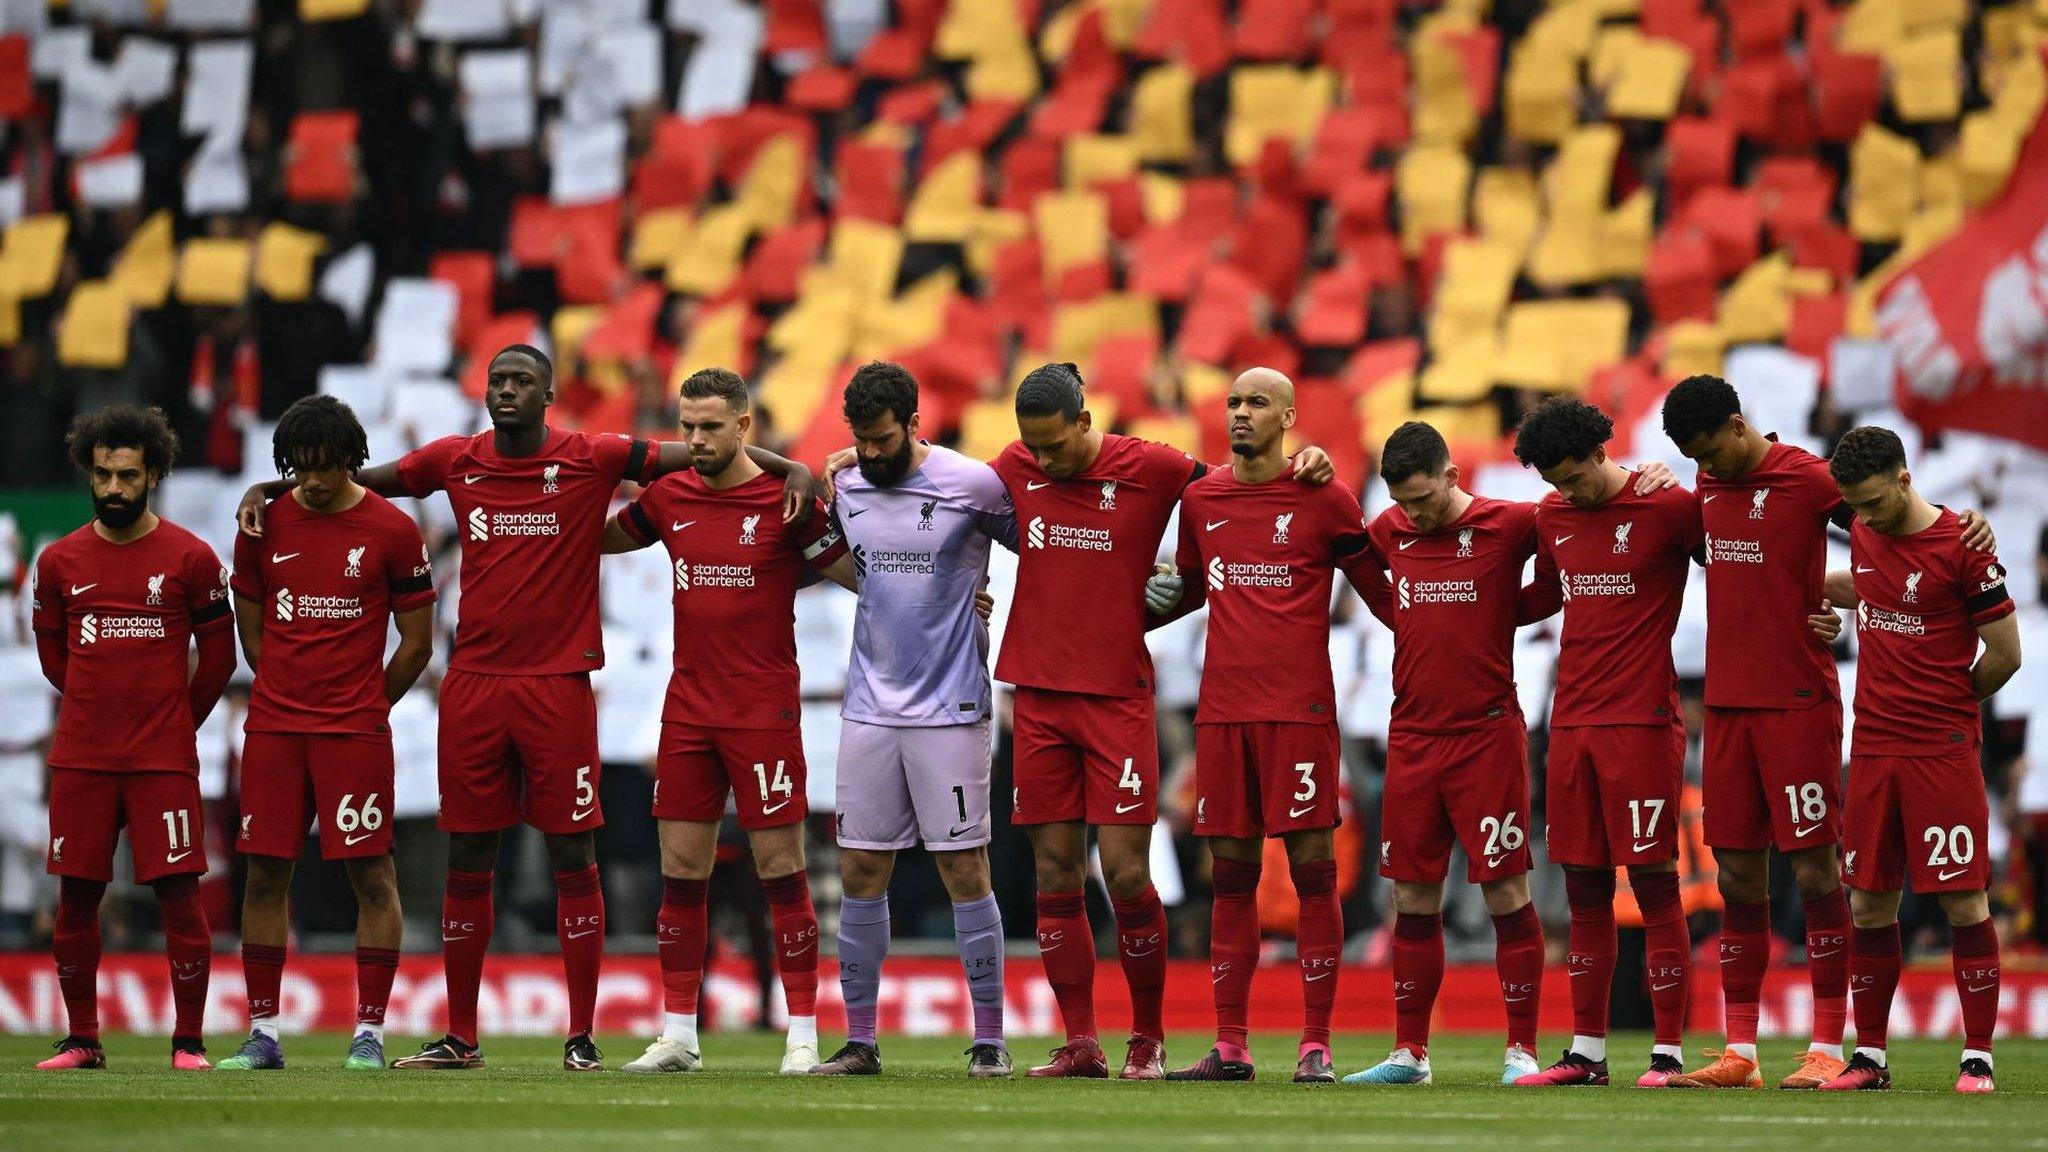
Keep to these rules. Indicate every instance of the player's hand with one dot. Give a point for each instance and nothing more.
(249, 513)
(836, 463)
(799, 494)
(1312, 466)
(1826, 623)
(1654, 475)
(1163, 590)
(984, 604)
(1977, 534)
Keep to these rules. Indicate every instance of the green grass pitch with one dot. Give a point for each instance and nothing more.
(923, 1100)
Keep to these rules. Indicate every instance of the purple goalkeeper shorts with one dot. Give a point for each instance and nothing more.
(898, 786)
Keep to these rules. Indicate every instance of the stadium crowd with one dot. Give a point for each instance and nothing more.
(220, 207)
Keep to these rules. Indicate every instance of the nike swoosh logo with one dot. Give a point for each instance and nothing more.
(1583, 972)
(188, 976)
(174, 858)
(1313, 979)
(774, 810)
(1945, 877)
(1861, 571)
(1398, 999)
(1495, 861)
(452, 939)
(471, 479)
(681, 526)
(353, 840)
(582, 934)
(1146, 952)
(1559, 541)
(798, 954)
(1823, 955)
(281, 557)
(983, 976)
(1123, 808)
(1403, 545)
(577, 817)
(84, 587)
(1662, 987)
(1708, 499)
(1644, 847)
(1515, 999)
(1035, 485)
(956, 833)
(1798, 832)
(1213, 525)
(1298, 813)
(1226, 976)
(1982, 987)
(849, 515)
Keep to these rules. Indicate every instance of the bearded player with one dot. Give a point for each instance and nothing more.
(518, 735)
(1260, 549)
(1616, 561)
(119, 606)
(729, 723)
(1772, 765)
(915, 744)
(338, 566)
(1917, 807)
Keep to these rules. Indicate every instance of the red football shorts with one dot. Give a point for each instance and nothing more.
(1265, 778)
(761, 768)
(1611, 794)
(1080, 757)
(1773, 776)
(343, 781)
(1471, 788)
(161, 810)
(1923, 814)
(519, 749)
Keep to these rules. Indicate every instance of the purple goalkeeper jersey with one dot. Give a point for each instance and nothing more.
(920, 552)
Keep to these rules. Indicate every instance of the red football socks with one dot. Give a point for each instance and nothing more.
(1418, 974)
(1141, 944)
(1518, 957)
(579, 928)
(467, 918)
(1745, 954)
(1066, 945)
(263, 973)
(1876, 980)
(680, 933)
(796, 940)
(1592, 956)
(75, 945)
(1827, 962)
(188, 945)
(1233, 945)
(1974, 955)
(374, 969)
(1669, 944)
(1318, 939)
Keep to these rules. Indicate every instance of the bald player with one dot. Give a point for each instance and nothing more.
(1260, 549)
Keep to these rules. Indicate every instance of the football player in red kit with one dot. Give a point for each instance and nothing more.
(119, 606)
(1917, 806)
(337, 566)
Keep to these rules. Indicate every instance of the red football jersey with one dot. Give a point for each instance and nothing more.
(1086, 547)
(327, 586)
(736, 568)
(127, 613)
(1455, 599)
(1262, 555)
(1618, 571)
(532, 529)
(1766, 544)
(1923, 597)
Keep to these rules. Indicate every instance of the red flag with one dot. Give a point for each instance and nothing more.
(1967, 323)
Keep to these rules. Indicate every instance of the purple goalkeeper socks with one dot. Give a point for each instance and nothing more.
(978, 932)
(863, 945)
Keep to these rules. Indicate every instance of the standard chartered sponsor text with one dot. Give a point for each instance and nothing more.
(525, 524)
(328, 607)
(131, 628)
(903, 560)
(1074, 536)
(1603, 584)
(1444, 592)
(1259, 575)
(1725, 551)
